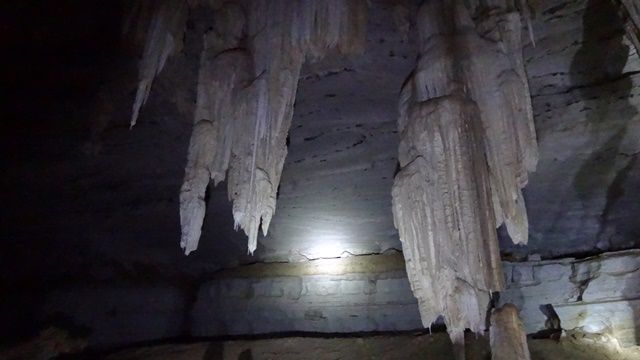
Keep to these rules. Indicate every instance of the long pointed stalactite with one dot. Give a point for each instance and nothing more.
(467, 145)
(247, 86)
(163, 38)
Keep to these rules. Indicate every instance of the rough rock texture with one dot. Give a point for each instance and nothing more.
(467, 144)
(629, 11)
(507, 337)
(246, 98)
(597, 295)
(312, 303)
(585, 103)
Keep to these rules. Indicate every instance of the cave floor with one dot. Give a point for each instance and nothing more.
(572, 345)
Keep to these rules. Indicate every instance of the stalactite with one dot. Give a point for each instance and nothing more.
(163, 38)
(442, 195)
(467, 145)
(249, 101)
(507, 335)
(629, 11)
(223, 105)
(498, 84)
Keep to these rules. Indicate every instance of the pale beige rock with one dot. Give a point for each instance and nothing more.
(467, 145)
(507, 336)
(222, 108)
(248, 96)
(442, 196)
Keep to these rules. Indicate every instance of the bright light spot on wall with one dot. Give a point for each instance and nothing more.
(328, 244)
(325, 250)
(325, 243)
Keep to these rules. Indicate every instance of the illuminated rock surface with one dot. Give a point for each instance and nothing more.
(467, 143)
(507, 337)
(246, 97)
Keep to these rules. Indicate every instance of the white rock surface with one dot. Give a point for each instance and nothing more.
(467, 143)
(598, 295)
(252, 118)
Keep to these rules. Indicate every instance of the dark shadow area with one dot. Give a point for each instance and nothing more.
(597, 75)
(55, 57)
(86, 201)
(553, 326)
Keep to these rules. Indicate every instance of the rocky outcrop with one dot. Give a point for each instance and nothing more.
(596, 295)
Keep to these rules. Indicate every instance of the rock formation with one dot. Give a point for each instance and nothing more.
(467, 144)
(163, 38)
(630, 12)
(507, 336)
(254, 53)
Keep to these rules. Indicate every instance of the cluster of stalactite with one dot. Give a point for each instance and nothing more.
(247, 84)
(629, 11)
(467, 145)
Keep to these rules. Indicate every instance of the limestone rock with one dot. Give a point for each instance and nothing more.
(467, 145)
(595, 295)
(252, 114)
(507, 336)
(163, 39)
(630, 13)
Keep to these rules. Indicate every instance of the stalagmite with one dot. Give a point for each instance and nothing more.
(163, 38)
(507, 336)
(629, 11)
(247, 86)
(467, 145)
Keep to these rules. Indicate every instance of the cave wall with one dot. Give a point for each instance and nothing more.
(584, 81)
(315, 303)
(596, 295)
(120, 314)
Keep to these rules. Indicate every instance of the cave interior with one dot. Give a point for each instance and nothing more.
(320, 179)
